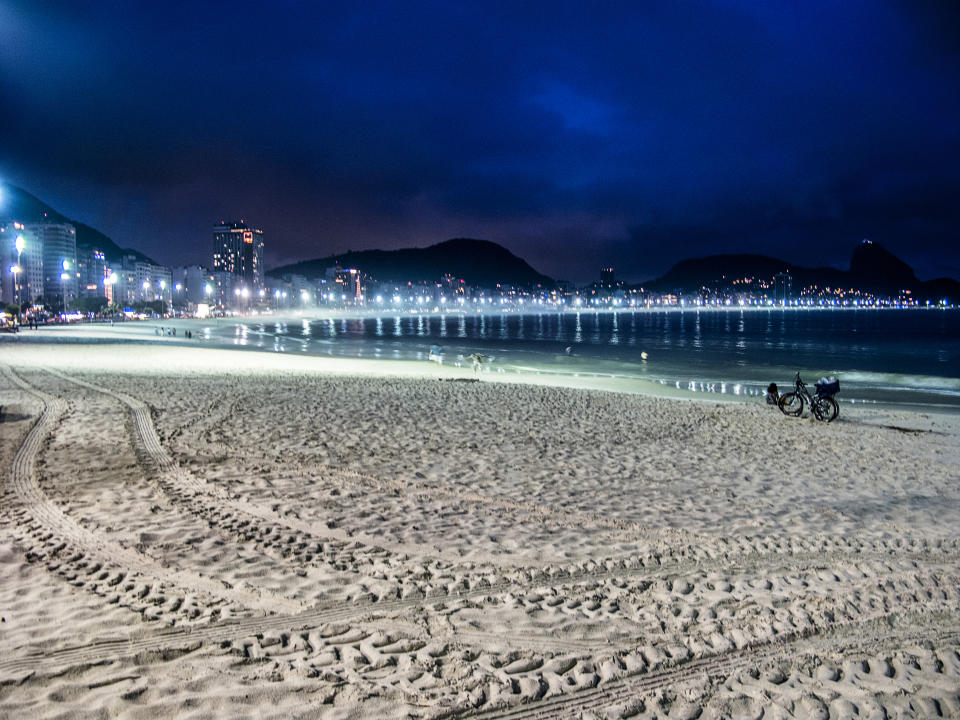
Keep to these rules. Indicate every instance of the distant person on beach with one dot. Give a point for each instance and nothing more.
(773, 394)
(477, 360)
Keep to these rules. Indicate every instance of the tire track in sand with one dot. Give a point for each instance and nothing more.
(228, 631)
(849, 637)
(738, 552)
(246, 520)
(51, 518)
(681, 544)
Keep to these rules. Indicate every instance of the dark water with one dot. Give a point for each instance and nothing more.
(909, 357)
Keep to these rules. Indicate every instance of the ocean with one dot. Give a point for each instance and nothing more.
(893, 357)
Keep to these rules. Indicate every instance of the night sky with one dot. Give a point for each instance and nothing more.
(576, 134)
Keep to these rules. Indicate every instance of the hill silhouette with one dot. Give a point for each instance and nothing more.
(18, 204)
(477, 262)
(872, 268)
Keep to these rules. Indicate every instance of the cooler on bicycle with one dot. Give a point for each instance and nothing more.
(827, 386)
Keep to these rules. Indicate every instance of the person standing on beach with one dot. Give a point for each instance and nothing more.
(477, 359)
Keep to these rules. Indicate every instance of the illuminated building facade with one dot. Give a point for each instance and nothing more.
(344, 285)
(238, 250)
(27, 284)
(154, 282)
(49, 260)
(91, 272)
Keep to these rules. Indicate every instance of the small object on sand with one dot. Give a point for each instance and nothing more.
(773, 394)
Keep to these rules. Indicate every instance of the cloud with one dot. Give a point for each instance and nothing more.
(645, 132)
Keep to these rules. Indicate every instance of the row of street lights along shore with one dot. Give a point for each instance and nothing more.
(244, 298)
(278, 299)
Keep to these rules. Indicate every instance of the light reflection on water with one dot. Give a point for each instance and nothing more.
(909, 355)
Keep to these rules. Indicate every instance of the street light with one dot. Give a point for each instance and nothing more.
(20, 244)
(64, 276)
(16, 270)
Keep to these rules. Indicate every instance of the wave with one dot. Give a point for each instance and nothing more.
(900, 381)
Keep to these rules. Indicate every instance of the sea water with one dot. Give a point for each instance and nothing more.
(889, 356)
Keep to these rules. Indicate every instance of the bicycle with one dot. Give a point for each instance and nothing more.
(822, 404)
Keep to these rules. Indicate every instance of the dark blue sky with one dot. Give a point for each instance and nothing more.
(576, 134)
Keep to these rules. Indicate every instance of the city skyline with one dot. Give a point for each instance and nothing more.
(244, 259)
(45, 258)
(630, 136)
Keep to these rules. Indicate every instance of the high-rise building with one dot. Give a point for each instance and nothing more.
(26, 284)
(29, 283)
(59, 243)
(48, 260)
(224, 285)
(91, 270)
(155, 282)
(124, 290)
(607, 277)
(238, 250)
(197, 284)
(782, 288)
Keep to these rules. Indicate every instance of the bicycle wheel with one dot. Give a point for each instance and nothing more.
(825, 408)
(791, 404)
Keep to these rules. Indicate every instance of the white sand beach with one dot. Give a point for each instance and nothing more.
(208, 533)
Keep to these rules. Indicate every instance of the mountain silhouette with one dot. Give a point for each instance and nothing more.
(872, 269)
(871, 263)
(18, 204)
(476, 262)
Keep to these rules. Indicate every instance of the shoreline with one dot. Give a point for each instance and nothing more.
(144, 332)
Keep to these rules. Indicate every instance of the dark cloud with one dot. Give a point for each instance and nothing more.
(625, 133)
